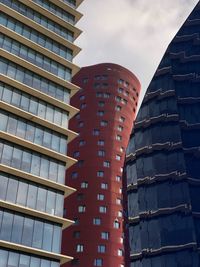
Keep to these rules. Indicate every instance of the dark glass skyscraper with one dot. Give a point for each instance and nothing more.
(36, 46)
(163, 159)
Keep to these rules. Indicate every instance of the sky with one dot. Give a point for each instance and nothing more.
(131, 33)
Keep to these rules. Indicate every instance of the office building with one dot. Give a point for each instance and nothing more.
(36, 44)
(107, 102)
(163, 160)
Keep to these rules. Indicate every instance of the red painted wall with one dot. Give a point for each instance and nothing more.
(90, 234)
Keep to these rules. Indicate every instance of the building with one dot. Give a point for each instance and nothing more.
(163, 163)
(107, 103)
(36, 44)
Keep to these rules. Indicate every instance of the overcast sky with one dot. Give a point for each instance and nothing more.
(132, 33)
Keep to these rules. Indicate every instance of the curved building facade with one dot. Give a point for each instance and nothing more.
(163, 160)
(107, 103)
(37, 49)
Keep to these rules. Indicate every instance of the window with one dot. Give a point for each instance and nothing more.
(124, 101)
(83, 105)
(80, 196)
(96, 85)
(121, 149)
(77, 116)
(81, 209)
(126, 84)
(120, 190)
(101, 153)
(120, 90)
(100, 113)
(120, 213)
(99, 94)
(76, 154)
(100, 143)
(118, 98)
(95, 132)
(97, 77)
(76, 221)
(102, 209)
(104, 85)
(84, 185)
(120, 128)
(120, 81)
(96, 221)
(106, 95)
(105, 235)
(118, 137)
(122, 119)
(101, 248)
(126, 93)
(81, 142)
(98, 262)
(106, 164)
(76, 234)
(118, 201)
(104, 186)
(118, 108)
(85, 80)
(79, 248)
(101, 103)
(100, 174)
(80, 163)
(120, 252)
(103, 123)
(82, 97)
(80, 124)
(100, 197)
(74, 175)
(118, 157)
(75, 262)
(118, 178)
(116, 225)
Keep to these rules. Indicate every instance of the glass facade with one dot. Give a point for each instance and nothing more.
(35, 91)
(162, 166)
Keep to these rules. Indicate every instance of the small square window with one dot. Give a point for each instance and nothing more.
(84, 185)
(102, 209)
(97, 85)
(76, 154)
(95, 132)
(80, 124)
(100, 197)
(120, 128)
(98, 262)
(116, 225)
(79, 248)
(97, 221)
(119, 137)
(106, 164)
(101, 103)
(82, 97)
(100, 143)
(85, 80)
(74, 175)
(120, 81)
(83, 105)
(120, 90)
(122, 119)
(118, 157)
(105, 235)
(101, 249)
(106, 95)
(118, 108)
(100, 113)
(118, 178)
(118, 201)
(120, 252)
(99, 94)
(100, 174)
(81, 209)
(76, 234)
(81, 142)
(101, 153)
(104, 123)
(104, 186)
(120, 213)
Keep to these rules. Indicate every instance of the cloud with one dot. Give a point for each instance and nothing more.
(132, 33)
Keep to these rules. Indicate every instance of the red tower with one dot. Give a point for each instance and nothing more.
(107, 103)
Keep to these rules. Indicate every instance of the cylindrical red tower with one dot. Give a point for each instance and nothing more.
(107, 103)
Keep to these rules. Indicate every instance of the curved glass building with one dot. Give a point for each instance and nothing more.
(36, 47)
(163, 159)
